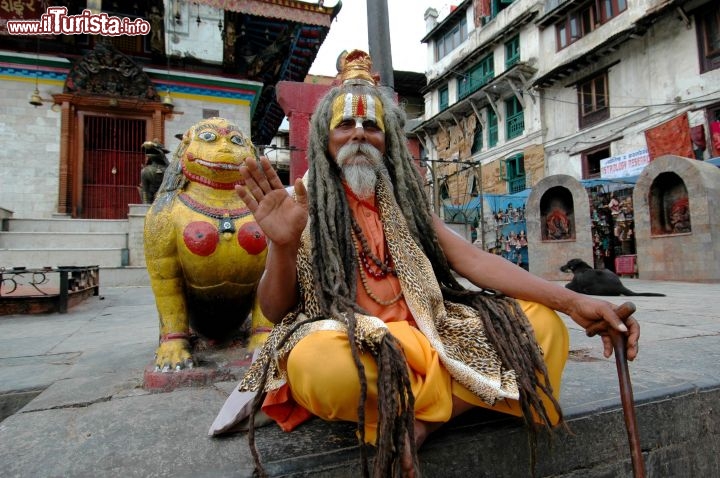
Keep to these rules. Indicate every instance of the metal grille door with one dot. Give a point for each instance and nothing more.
(112, 162)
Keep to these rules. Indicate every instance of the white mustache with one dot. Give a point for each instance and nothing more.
(353, 150)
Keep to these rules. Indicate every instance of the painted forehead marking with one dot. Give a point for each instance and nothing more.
(362, 106)
(354, 106)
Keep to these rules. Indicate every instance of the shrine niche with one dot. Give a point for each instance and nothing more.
(669, 205)
(557, 214)
(558, 225)
(677, 227)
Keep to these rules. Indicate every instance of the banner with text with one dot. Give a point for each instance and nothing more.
(624, 165)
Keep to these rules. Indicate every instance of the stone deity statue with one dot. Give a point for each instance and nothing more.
(151, 175)
(204, 251)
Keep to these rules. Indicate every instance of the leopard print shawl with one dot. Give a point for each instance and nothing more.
(454, 330)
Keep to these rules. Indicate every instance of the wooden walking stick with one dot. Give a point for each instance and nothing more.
(619, 343)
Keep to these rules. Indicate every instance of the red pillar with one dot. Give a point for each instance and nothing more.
(298, 101)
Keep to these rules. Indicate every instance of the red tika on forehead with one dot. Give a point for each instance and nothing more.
(360, 106)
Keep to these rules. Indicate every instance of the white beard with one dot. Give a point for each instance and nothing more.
(360, 164)
(361, 179)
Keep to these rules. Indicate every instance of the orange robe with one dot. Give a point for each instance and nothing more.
(323, 378)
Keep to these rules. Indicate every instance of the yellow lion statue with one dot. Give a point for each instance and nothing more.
(204, 251)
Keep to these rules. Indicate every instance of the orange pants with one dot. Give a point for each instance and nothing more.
(324, 380)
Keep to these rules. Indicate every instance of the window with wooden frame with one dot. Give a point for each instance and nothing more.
(512, 51)
(492, 121)
(477, 140)
(443, 98)
(575, 26)
(444, 190)
(707, 23)
(610, 9)
(593, 100)
(512, 170)
(451, 40)
(713, 115)
(474, 190)
(591, 161)
(133, 45)
(585, 19)
(496, 6)
(477, 76)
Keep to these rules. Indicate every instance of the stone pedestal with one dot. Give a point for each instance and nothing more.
(136, 231)
(558, 225)
(214, 363)
(677, 222)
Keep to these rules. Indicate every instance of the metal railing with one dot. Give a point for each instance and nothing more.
(54, 284)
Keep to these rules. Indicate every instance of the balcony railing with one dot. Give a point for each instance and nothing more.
(516, 185)
(512, 61)
(515, 125)
(470, 84)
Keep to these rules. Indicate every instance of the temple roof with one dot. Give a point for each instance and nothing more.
(281, 39)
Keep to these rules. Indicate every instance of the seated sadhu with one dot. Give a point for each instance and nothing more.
(371, 324)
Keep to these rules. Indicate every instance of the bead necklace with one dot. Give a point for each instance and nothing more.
(225, 217)
(378, 269)
(372, 295)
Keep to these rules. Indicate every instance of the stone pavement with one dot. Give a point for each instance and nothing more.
(71, 388)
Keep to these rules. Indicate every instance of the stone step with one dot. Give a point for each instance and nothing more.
(65, 225)
(36, 258)
(678, 436)
(62, 240)
(123, 277)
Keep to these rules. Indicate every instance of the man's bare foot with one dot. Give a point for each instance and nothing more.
(410, 467)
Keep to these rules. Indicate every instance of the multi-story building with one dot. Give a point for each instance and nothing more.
(481, 120)
(615, 70)
(519, 90)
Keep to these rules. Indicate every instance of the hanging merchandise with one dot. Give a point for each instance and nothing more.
(510, 229)
(613, 225)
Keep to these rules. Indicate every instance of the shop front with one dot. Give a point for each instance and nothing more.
(612, 224)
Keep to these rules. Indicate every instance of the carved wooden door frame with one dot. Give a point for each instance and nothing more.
(73, 108)
(108, 83)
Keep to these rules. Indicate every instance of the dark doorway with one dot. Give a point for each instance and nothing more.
(111, 164)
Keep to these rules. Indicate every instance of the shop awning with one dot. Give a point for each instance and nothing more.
(469, 211)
